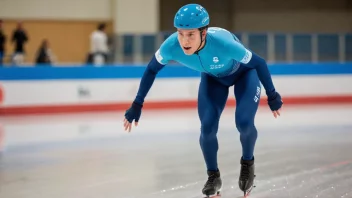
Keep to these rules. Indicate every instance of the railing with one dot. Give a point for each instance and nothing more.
(274, 47)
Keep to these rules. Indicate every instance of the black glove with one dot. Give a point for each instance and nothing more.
(275, 102)
(134, 112)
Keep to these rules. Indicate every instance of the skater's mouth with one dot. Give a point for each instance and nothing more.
(187, 48)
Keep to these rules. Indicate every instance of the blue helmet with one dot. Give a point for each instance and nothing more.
(191, 16)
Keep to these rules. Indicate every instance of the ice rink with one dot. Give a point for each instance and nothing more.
(307, 152)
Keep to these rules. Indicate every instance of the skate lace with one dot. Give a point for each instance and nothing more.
(210, 181)
(245, 172)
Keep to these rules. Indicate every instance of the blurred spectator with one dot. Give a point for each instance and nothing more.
(99, 45)
(20, 37)
(2, 44)
(44, 54)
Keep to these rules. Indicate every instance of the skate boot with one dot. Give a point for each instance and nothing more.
(213, 186)
(247, 176)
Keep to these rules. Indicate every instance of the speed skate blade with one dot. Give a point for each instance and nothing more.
(218, 195)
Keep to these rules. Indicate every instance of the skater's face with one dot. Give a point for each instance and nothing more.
(190, 40)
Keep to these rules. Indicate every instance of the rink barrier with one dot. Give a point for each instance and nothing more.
(171, 71)
(150, 105)
(30, 90)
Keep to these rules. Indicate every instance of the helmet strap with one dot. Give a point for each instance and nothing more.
(201, 30)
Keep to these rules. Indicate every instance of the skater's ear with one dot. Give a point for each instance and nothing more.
(203, 33)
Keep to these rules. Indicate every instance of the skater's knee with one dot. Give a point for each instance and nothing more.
(207, 137)
(245, 126)
(209, 122)
(209, 130)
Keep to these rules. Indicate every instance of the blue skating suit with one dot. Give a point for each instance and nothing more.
(223, 62)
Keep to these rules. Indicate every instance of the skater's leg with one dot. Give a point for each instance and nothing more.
(247, 93)
(212, 98)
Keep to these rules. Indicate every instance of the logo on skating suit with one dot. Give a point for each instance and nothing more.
(257, 95)
(247, 57)
(215, 59)
(158, 56)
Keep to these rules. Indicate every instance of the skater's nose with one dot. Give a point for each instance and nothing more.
(185, 40)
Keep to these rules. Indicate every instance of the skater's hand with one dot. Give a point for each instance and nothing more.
(277, 113)
(133, 113)
(275, 104)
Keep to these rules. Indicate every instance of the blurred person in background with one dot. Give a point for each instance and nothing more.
(44, 54)
(223, 62)
(99, 45)
(2, 43)
(19, 38)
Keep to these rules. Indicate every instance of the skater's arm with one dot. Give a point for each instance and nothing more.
(238, 52)
(161, 57)
(263, 72)
(148, 79)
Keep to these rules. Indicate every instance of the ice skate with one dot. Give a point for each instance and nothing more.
(213, 186)
(246, 178)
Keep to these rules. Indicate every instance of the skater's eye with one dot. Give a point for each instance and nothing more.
(181, 35)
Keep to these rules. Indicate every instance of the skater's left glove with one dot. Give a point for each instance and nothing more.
(275, 103)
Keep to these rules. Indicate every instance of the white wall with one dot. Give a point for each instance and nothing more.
(292, 16)
(295, 21)
(136, 16)
(56, 9)
(67, 92)
(128, 16)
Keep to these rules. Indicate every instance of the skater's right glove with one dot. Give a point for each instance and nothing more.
(133, 113)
